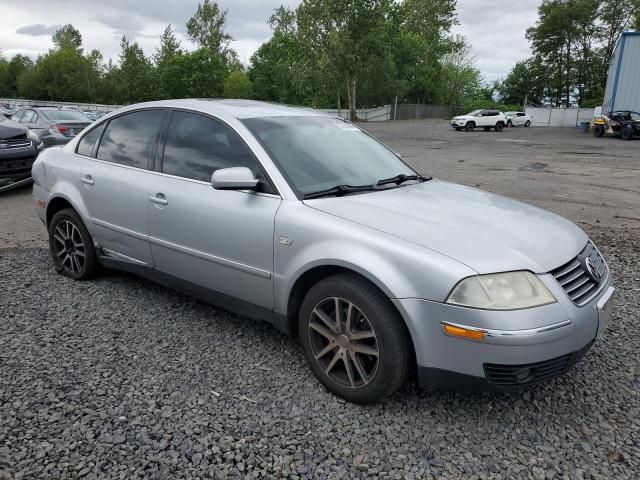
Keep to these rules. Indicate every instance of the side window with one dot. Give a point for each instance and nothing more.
(130, 139)
(86, 144)
(27, 116)
(197, 145)
(17, 116)
(520, 114)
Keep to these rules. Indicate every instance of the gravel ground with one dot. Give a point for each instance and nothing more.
(120, 378)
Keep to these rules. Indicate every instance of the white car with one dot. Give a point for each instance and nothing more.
(486, 119)
(515, 119)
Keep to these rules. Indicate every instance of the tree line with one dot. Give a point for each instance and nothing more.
(324, 53)
(337, 53)
(573, 42)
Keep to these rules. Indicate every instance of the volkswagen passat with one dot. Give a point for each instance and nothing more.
(304, 220)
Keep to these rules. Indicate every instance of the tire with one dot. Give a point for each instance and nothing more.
(486, 129)
(528, 124)
(470, 126)
(598, 130)
(71, 246)
(341, 361)
(627, 133)
(509, 124)
(499, 126)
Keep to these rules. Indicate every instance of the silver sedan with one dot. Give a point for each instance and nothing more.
(306, 221)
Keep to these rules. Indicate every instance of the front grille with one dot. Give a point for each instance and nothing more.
(513, 376)
(575, 277)
(19, 141)
(16, 167)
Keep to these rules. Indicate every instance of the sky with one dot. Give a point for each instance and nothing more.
(495, 29)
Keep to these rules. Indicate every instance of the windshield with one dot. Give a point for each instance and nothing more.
(317, 153)
(65, 115)
(474, 113)
(635, 116)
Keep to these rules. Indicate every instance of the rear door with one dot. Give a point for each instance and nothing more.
(220, 240)
(114, 182)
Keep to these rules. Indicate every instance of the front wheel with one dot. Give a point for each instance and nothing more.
(470, 126)
(499, 126)
(354, 339)
(598, 130)
(509, 123)
(71, 246)
(528, 124)
(627, 133)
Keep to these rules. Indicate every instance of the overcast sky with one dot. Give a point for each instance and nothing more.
(494, 28)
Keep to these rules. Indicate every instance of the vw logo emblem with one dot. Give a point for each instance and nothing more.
(592, 270)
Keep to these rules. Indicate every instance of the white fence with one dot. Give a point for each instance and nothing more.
(561, 117)
(380, 114)
(21, 102)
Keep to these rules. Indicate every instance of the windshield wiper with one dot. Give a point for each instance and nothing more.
(398, 179)
(339, 190)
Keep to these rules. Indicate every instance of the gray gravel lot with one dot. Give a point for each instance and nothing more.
(121, 378)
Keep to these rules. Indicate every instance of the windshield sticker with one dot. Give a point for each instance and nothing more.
(346, 127)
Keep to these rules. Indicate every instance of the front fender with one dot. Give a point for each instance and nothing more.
(399, 268)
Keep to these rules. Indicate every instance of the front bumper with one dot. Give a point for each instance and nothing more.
(458, 123)
(547, 340)
(16, 163)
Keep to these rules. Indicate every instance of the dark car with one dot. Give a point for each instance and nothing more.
(621, 123)
(53, 125)
(19, 148)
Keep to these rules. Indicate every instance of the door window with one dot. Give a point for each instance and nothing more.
(130, 139)
(196, 146)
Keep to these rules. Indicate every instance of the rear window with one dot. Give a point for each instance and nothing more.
(65, 116)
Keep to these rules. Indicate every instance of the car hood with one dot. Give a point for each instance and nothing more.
(9, 129)
(486, 232)
(462, 117)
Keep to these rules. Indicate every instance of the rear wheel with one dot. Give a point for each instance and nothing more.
(499, 126)
(470, 126)
(354, 339)
(627, 133)
(71, 246)
(598, 130)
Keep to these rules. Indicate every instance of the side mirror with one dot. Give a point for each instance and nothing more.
(234, 178)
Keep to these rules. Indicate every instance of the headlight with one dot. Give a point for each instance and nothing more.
(35, 138)
(501, 291)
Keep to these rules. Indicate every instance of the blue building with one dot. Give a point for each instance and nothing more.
(623, 81)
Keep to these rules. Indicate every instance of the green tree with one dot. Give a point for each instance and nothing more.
(14, 68)
(67, 37)
(237, 85)
(135, 76)
(206, 27)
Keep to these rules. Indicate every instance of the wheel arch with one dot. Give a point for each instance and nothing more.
(56, 204)
(307, 279)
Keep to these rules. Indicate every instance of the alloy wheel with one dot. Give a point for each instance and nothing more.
(343, 342)
(69, 247)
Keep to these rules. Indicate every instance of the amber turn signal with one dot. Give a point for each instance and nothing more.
(463, 332)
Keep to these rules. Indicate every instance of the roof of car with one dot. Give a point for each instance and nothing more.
(235, 108)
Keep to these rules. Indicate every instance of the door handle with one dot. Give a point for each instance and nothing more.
(87, 180)
(158, 199)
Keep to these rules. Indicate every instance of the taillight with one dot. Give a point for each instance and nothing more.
(61, 129)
